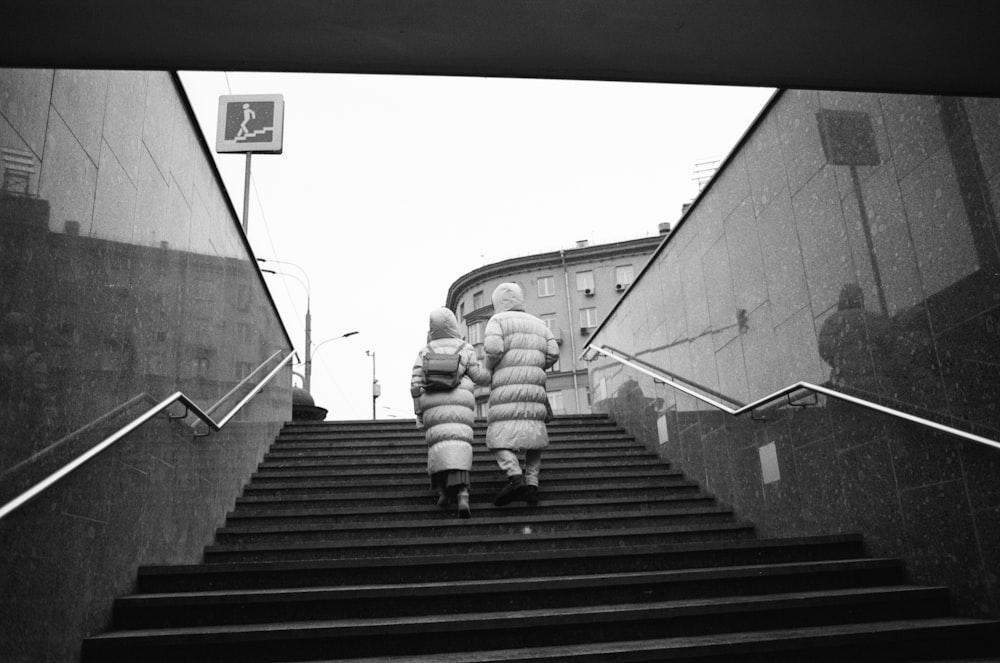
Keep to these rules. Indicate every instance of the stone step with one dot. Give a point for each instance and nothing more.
(523, 540)
(938, 640)
(161, 610)
(500, 564)
(410, 431)
(369, 426)
(395, 466)
(538, 523)
(418, 452)
(416, 441)
(363, 510)
(482, 492)
(561, 475)
(387, 636)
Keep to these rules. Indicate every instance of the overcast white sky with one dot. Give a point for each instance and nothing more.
(391, 187)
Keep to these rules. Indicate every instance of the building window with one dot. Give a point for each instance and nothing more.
(477, 301)
(461, 311)
(623, 276)
(243, 298)
(556, 401)
(585, 281)
(546, 286)
(200, 328)
(588, 318)
(555, 368)
(550, 321)
(199, 367)
(476, 333)
(155, 365)
(18, 167)
(203, 290)
(244, 333)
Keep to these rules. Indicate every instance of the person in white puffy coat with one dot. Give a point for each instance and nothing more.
(448, 415)
(518, 349)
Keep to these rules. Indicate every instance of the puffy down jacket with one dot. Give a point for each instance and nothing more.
(448, 415)
(519, 347)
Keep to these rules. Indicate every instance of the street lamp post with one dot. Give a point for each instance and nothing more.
(376, 389)
(307, 380)
(322, 343)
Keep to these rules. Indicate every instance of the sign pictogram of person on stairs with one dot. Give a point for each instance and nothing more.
(248, 114)
(250, 123)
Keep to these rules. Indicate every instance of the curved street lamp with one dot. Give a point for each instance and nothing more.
(322, 343)
(310, 354)
(310, 351)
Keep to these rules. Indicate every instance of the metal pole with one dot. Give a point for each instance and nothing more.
(309, 368)
(371, 353)
(570, 331)
(307, 379)
(246, 198)
(869, 242)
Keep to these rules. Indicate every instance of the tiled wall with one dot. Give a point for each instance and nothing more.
(851, 241)
(124, 277)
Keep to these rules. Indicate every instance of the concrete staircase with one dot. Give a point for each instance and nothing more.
(337, 552)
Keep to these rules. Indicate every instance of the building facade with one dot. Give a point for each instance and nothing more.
(571, 290)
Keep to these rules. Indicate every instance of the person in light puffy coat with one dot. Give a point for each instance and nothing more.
(518, 349)
(448, 415)
(857, 343)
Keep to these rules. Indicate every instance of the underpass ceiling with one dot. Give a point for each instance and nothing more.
(924, 46)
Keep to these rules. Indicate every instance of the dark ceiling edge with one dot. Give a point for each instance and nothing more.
(920, 46)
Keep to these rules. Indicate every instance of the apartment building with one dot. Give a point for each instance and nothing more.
(570, 289)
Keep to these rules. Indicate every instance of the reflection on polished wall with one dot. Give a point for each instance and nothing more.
(121, 271)
(124, 277)
(851, 240)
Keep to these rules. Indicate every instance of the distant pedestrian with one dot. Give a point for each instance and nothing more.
(448, 413)
(519, 348)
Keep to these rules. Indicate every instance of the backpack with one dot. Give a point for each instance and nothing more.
(442, 371)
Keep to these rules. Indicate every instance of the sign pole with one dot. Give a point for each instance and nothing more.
(247, 124)
(246, 198)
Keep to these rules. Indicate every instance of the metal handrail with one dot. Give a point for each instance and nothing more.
(36, 457)
(242, 382)
(176, 397)
(679, 378)
(628, 360)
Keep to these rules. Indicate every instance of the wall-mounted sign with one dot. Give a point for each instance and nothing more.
(250, 123)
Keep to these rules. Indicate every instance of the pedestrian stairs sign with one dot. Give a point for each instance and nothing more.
(250, 123)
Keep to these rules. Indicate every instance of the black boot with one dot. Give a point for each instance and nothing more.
(463, 505)
(531, 495)
(513, 490)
